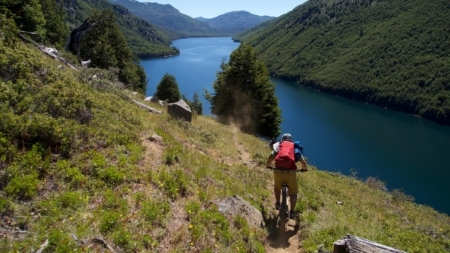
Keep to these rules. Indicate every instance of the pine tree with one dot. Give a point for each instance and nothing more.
(55, 25)
(196, 105)
(107, 47)
(27, 15)
(168, 89)
(245, 96)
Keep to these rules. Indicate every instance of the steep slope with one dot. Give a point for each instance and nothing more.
(394, 54)
(145, 39)
(84, 169)
(235, 22)
(167, 17)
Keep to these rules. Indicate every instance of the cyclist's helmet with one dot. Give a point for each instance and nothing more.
(286, 137)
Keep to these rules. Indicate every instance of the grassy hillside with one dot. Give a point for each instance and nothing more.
(145, 39)
(394, 54)
(78, 169)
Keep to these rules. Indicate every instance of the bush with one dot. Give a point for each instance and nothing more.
(155, 211)
(112, 175)
(60, 241)
(71, 200)
(5, 206)
(109, 221)
(23, 187)
(173, 182)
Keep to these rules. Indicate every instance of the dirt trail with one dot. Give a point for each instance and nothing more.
(278, 243)
(245, 155)
(285, 242)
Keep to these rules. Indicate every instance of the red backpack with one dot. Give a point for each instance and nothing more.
(285, 157)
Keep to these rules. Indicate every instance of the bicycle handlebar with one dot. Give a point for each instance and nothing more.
(273, 168)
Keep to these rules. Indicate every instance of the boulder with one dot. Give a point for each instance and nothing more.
(154, 99)
(236, 205)
(155, 138)
(180, 110)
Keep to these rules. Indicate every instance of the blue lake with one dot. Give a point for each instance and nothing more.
(339, 135)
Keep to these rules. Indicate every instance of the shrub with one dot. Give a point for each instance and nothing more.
(400, 196)
(109, 221)
(74, 176)
(112, 175)
(173, 182)
(71, 200)
(59, 241)
(113, 201)
(5, 206)
(155, 211)
(23, 187)
(123, 238)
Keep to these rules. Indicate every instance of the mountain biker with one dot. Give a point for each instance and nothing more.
(288, 175)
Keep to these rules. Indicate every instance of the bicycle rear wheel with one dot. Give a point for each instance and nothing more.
(283, 213)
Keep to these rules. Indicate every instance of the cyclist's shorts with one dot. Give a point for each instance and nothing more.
(290, 176)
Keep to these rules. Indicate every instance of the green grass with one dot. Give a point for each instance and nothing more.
(92, 172)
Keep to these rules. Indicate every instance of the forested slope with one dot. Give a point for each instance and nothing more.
(145, 39)
(394, 54)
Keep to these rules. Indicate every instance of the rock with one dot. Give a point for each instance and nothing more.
(154, 99)
(156, 138)
(180, 110)
(236, 205)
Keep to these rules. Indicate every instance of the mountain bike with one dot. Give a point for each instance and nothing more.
(283, 213)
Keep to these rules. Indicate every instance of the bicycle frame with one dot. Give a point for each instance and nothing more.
(283, 212)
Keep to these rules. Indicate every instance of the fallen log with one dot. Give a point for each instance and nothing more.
(146, 106)
(354, 244)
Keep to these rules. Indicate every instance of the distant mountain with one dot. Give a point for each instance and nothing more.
(145, 39)
(392, 53)
(235, 22)
(167, 17)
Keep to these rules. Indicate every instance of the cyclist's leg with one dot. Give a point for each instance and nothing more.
(293, 200)
(277, 185)
(293, 189)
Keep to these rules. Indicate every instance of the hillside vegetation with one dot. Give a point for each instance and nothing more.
(80, 172)
(394, 54)
(145, 39)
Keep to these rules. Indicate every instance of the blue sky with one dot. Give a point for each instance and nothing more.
(214, 8)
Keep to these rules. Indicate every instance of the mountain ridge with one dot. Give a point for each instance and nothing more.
(182, 25)
(235, 22)
(168, 17)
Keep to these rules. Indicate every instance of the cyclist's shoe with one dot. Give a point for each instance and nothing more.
(277, 206)
(292, 214)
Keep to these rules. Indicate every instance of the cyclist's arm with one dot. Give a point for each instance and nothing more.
(270, 158)
(303, 164)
